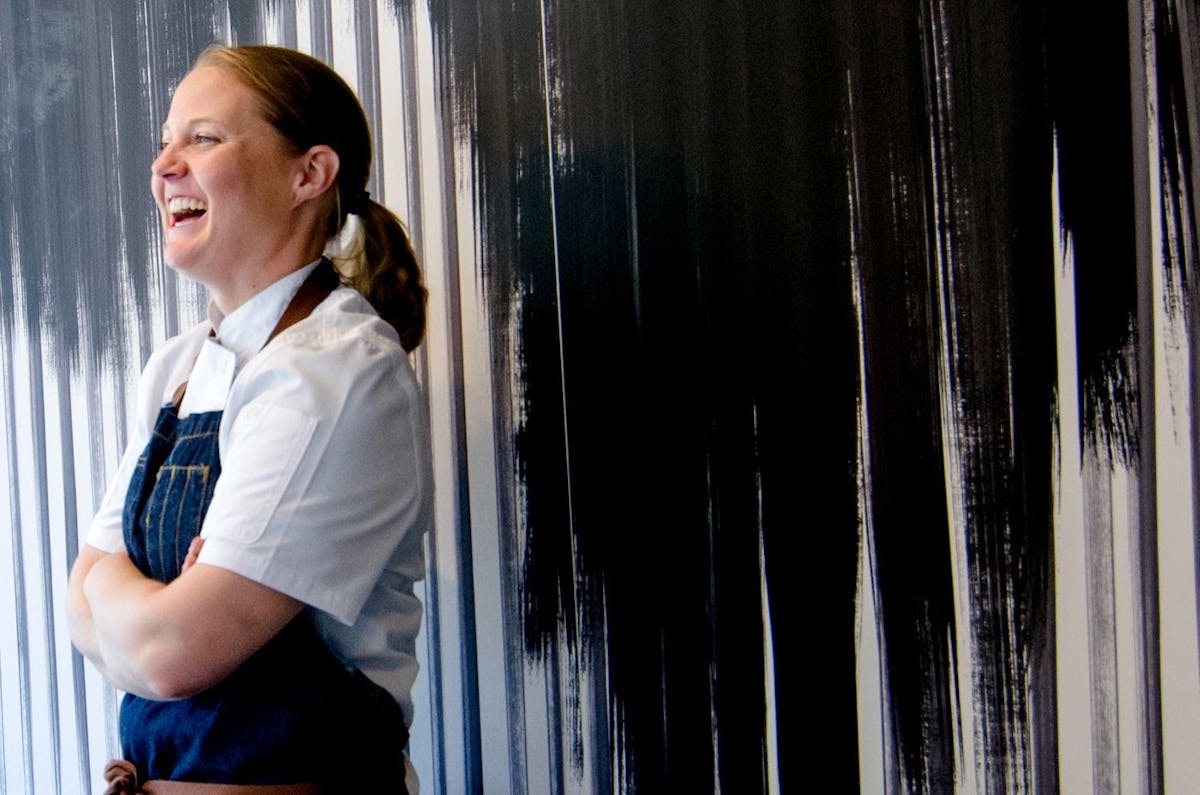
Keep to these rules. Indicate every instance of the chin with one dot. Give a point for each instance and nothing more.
(180, 262)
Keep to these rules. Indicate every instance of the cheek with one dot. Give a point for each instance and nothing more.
(252, 185)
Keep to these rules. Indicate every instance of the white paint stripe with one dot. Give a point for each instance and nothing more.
(345, 41)
(1073, 675)
(1131, 658)
(771, 727)
(304, 31)
(869, 688)
(1179, 639)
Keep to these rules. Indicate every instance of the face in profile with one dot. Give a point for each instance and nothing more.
(223, 183)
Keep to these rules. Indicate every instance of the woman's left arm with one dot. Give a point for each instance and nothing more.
(167, 641)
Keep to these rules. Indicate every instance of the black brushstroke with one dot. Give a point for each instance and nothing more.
(908, 505)
(1005, 303)
(803, 368)
(950, 129)
(1088, 84)
(661, 220)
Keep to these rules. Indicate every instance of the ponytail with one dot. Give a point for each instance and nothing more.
(384, 268)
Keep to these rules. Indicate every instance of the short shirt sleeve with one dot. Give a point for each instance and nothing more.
(167, 367)
(320, 475)
(106, 532)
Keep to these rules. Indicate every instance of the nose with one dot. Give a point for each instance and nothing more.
(168, 163)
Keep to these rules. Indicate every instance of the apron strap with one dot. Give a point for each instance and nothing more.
(316, 288)
(122, 779)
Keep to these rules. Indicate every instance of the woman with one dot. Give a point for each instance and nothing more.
(248, 578)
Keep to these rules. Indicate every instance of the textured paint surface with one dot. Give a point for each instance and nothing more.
(644, 234)
(952, 219)
(809, 381)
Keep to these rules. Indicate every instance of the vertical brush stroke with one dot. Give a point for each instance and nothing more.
(609, 228)
(907, 509)
(1170, 266)
(958, 384)
(990, 148)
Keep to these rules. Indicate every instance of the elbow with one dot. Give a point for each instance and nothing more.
(166, 689)
(169, 675)
(173, 684)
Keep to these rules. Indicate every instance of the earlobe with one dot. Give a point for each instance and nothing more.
(317, 173)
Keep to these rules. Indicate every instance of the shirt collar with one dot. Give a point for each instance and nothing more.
(244, 331)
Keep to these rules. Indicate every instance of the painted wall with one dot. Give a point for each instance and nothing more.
(797, 370)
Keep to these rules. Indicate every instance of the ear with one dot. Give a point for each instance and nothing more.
(316, 172)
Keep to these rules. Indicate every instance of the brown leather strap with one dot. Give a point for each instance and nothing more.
(190, 788)
(316, 288)
(122, 779)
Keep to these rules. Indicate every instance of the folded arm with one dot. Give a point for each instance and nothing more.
(165, 641)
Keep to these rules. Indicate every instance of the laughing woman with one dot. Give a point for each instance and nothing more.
(248, 580)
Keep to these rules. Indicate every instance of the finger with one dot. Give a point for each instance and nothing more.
(193, 553)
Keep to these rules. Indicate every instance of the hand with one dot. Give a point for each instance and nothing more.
(193, 553)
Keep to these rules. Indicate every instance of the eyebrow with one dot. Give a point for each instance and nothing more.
(193, 123)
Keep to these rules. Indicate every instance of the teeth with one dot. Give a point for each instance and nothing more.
(181, 204)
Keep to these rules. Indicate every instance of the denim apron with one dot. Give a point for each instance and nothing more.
(293, 712)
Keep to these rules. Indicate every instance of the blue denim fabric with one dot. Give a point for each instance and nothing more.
(170, 491)
(293, 712)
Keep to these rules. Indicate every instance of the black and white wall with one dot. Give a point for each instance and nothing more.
(814, 384)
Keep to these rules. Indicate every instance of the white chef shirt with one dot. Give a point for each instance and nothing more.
(326, 483)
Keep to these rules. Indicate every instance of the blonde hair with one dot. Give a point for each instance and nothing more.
(310, 104)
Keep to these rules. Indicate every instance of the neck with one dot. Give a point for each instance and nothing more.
(248, 281)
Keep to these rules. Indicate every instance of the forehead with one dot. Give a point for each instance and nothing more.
(213, 94)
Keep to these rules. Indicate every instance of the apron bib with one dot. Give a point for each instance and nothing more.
(293, 712)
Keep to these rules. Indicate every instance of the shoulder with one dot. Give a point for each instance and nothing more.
(169, 365)
(338, 357)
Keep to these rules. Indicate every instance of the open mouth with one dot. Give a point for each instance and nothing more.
(182, 209)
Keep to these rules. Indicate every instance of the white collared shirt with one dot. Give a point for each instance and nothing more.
(326, 486)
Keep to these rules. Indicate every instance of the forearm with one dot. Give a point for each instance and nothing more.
(79, 612)
(176, 640)
(82, 627)
(132, 634)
